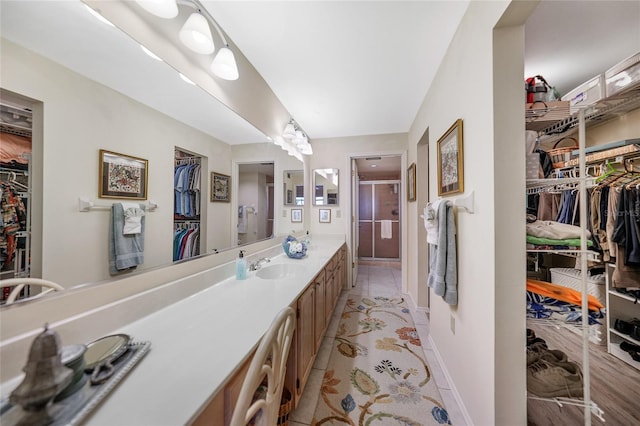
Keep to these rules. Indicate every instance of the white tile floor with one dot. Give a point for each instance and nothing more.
(372, 280)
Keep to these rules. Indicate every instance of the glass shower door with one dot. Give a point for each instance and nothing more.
(379, 223)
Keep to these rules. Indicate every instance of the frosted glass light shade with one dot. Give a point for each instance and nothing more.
(224, 65)
(162, 8)
(289, 131)
(196, 34)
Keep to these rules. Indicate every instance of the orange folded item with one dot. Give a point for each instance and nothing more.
(562, 293)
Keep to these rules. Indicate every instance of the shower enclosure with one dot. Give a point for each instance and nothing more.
(379, 220)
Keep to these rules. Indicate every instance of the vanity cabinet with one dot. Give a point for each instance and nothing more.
(320, 317)
(314, 308)
(305, 338)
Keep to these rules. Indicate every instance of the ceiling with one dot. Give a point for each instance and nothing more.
(341, 68)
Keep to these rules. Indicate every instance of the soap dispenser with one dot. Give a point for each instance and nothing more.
(241, 266)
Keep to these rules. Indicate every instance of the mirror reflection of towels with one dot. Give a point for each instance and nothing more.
(386, 232)
(133, 213)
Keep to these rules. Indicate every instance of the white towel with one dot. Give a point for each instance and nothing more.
(132, 218)
(386, 232)
(431, 221)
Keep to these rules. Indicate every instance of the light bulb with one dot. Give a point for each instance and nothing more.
(161, 8)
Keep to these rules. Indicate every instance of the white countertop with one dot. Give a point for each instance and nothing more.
(197, 343)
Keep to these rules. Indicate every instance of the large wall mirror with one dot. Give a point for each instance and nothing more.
(293, 187)
(102, 91)
(325, 187)
(255, 202)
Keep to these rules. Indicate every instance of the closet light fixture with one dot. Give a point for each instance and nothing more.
(161, 8)
(196, 34)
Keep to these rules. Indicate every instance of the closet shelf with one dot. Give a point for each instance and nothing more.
(597, 113)
(593, 407)
(536, 186)
(591, 255)
(625, 336)
(622, 296)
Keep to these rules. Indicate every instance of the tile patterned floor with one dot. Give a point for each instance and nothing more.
(373, 280)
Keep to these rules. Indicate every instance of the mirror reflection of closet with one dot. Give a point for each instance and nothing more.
(325, 187)
(15, 185)
(255, 203)
(293, 188)
(188, 239)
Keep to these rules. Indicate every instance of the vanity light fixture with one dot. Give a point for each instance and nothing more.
(166, 9)
(150, 53)
(186, 79)
(98, 16)
(195, 33)
(297, 138)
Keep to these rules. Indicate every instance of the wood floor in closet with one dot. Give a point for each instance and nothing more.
(615, 385)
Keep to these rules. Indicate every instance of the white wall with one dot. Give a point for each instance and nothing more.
(79, 118)
(491, 264)
(336, 153)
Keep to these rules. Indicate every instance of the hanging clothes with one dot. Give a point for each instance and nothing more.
(186, 241)
(186, 182)
(13, 219)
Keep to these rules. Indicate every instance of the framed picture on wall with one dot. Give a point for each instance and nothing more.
(220, 187)
(450, 157)
(296, 215)
(122, 176)
(289, 196)
(411, 182)
(325, 215)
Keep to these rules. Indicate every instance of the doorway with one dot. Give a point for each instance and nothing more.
(378, 209)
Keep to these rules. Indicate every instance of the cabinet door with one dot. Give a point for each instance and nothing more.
(306, 339)
(319, 313)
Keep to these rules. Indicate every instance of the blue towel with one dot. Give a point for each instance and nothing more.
(126, 252)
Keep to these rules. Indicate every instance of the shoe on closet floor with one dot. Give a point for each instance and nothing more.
(539, 351)
(553, 380)
(633, 350)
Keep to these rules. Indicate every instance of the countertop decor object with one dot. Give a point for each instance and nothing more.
(75, 407)
(45, 376)
(293, 248)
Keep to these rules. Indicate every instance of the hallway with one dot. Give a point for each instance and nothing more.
(373, 280)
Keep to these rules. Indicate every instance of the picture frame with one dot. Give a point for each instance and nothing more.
(411, 182)
(220, 187)
(289, 196)
(324, 215)
(450, 161)
(296, 215)
(122, 176)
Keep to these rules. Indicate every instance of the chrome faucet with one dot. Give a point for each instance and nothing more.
(258, 263)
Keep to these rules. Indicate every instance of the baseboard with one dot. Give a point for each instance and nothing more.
(452, 386)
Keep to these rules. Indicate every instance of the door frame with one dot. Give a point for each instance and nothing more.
(352, 233)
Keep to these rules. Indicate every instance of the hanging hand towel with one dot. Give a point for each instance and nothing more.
(431, 221)
(125, 251)
(132, 218)
(386, 230)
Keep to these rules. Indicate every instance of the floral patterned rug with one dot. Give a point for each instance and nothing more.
(377, 373)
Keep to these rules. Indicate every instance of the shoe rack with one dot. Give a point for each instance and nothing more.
(624, 307)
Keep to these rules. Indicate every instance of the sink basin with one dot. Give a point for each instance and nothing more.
(280, 270)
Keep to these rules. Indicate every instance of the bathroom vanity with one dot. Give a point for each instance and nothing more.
(202, 343)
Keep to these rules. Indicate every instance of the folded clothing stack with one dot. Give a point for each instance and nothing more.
(549, 234)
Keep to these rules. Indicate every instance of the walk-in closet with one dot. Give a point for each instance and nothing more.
(583, 258)
(187, 181)
(15, 187)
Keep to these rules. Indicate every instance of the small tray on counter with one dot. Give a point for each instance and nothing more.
(77, 406)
